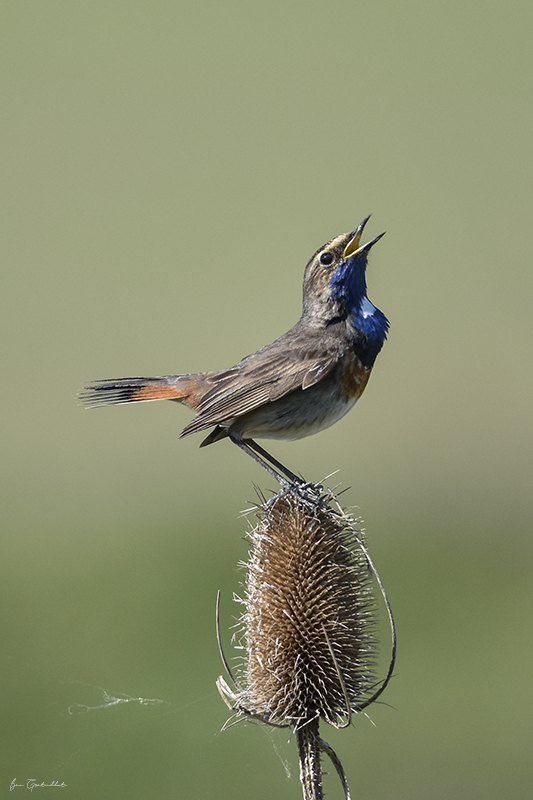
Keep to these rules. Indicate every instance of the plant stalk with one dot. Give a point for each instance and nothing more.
(308, 742)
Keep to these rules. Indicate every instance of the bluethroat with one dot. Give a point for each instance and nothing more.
(299, 384)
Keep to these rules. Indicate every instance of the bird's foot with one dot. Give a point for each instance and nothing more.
(307, 491)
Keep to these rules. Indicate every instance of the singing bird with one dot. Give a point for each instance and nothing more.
(299, 384)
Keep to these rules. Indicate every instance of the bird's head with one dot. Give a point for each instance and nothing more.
(334, 290)
(335, 277)
(335, 284)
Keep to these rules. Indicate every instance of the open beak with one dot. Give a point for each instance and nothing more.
(353, 248)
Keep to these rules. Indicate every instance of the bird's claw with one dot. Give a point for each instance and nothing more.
(306, 490)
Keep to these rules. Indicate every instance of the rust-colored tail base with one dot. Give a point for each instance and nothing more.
(137, 390)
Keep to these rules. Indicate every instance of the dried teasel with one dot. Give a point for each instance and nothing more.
(309, 626)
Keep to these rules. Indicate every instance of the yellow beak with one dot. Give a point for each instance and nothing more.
(353, 247)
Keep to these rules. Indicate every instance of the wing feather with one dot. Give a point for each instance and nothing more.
(264, 377)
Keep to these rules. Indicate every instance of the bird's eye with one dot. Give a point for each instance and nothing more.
(326, 259)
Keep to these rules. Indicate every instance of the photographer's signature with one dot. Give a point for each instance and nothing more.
(32, 784)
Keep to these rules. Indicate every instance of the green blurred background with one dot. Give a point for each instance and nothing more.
(167, 170)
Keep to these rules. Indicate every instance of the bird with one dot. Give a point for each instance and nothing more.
(299, 384)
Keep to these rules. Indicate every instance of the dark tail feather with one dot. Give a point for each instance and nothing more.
(136, 390)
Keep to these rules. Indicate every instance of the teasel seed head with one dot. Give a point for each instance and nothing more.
(309, 625)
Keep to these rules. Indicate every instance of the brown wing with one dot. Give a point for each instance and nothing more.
(292, 362)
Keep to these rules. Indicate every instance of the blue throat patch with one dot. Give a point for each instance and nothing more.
(348, 287)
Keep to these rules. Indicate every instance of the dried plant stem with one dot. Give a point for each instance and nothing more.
(309, 747)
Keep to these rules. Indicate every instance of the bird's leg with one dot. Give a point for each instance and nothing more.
(265, 456)
(306, 490)
(283, 475)
(309, 492)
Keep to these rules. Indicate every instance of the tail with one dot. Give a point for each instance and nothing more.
(183, 388)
